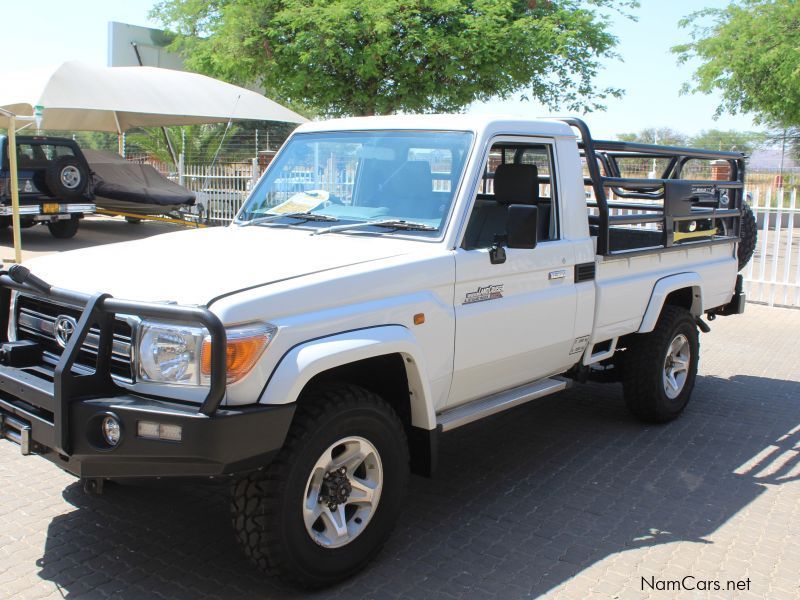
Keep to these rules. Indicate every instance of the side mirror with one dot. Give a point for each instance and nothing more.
(522, 226)
(522, 229)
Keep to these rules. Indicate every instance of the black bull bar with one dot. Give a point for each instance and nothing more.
(54, 395)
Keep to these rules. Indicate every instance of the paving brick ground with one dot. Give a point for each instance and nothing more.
(567, 497)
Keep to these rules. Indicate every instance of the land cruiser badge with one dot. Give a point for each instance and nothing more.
(482, 294)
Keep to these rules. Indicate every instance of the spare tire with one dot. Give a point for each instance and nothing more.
(67, 177)
(748, 235)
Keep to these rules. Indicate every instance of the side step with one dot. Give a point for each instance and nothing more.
(478, 409)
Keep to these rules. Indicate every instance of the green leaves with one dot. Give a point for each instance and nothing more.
(711, 139)
(750, 52)
(349, 57)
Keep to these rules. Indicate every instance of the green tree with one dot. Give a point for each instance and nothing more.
(740, 141)
(656, 135)
(351, 57)
(749, 52)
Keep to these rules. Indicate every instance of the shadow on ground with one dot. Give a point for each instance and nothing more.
(92, 232)
(522, 502)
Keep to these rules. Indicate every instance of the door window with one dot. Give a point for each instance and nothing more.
(526, 176)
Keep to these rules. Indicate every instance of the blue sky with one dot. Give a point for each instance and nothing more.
(652, 79)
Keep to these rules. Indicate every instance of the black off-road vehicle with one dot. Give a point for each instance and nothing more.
(54, 184)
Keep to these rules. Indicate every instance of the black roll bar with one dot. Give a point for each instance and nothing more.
(606, 153)
(101, 310)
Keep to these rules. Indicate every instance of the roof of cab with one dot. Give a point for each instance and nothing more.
(449, 122)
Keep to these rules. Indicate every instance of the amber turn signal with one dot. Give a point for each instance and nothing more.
(245, 347)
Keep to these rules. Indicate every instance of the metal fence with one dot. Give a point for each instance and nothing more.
(773, 275)
(221, 188)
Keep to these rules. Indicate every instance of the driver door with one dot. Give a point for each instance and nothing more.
(514, 320)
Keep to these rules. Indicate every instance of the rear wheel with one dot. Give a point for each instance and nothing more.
(327, 503)
(661, 367)
(64, 229)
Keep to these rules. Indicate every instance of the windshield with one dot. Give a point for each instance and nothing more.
(357, 177)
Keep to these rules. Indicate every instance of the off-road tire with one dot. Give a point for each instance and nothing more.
(266, 506)
(57, 182)
(748, 236)
(64, 229)
(645, 359)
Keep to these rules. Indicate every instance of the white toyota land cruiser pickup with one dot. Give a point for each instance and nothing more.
(388, 280)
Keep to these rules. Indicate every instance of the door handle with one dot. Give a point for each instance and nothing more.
(560, 274)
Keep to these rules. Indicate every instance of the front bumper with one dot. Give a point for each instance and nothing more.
(57, 412)
(230, 441)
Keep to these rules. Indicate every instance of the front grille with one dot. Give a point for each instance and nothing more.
(36, 320)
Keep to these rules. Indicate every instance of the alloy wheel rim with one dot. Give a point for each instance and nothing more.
(676, 366)
(342, 492)
(70, 177)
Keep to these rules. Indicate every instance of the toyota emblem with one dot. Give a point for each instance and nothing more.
(64, 328)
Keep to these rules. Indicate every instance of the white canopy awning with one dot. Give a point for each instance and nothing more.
(80, 97)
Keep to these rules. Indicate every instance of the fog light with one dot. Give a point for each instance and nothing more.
(159, 431)
(147, 429)
(173, 433)
(692, 225)
(111, 431)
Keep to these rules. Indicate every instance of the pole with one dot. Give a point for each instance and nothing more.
(12, 165)
(173, 155)
(120, 138)
(170, 147)
(182, 169)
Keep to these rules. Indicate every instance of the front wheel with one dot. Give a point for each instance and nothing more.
(660, 367)
(327, 503)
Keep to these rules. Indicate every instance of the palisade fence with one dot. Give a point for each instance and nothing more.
(773, 275)
(221, 188)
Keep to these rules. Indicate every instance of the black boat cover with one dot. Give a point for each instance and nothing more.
(118, 179)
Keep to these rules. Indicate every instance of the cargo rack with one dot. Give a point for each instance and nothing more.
(676, 204)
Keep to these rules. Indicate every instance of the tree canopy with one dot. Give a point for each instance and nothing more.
(349, 57)
(711, 139)
(664, 136)
(739, 141)
(749, 52)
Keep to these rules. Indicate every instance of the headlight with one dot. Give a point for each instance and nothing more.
(170, 353)
(182, 354)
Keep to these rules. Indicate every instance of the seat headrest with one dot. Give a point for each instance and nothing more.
(516, 184)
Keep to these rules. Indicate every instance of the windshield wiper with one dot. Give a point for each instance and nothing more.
(390, 223)
(305, 215)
